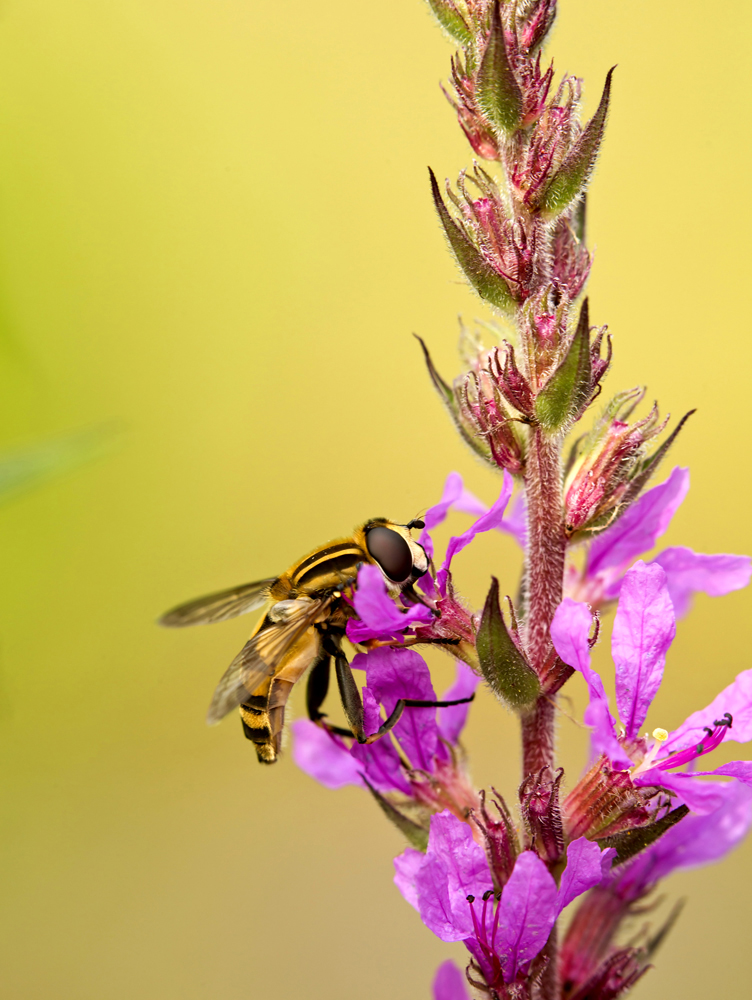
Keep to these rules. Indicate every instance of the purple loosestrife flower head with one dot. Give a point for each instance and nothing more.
(643, 632)
(589, 953)
(421, 768)
(452, 889)
(476, 874)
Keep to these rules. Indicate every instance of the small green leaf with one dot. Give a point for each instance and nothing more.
(486, 282)
(631, 842)
(450, 19)
(416, 835)
(568, 389)
(501, 662)
(496, 89)
(572, 176)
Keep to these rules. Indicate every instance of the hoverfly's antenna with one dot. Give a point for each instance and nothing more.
(415, 523)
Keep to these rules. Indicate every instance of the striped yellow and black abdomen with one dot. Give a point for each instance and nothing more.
(263, 712)
(257, 728)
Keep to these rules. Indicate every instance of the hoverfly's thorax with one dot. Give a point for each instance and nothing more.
(330, 567)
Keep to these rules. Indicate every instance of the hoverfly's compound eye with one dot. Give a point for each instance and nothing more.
(390, 550)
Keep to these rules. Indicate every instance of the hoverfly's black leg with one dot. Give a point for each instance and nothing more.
(416, 703)
(318, 687)
(352, 702)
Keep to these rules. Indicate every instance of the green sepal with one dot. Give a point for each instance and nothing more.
(415, 834)
(449, 399)
(486, 282)
(568, 390)
(452, 21)
(502, 664)
(496, 89)
(631, 842)
(572, 176)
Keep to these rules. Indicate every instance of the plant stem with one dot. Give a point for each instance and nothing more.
(544, 578)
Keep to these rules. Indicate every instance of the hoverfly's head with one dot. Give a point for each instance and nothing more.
(391, 547)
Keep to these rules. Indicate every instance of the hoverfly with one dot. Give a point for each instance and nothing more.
(303, 628)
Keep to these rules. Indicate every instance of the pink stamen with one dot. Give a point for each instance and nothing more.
(714, 739)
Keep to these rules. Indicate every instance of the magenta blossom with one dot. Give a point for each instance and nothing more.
(697, 840)
(422, 755)
(451, 888)
(643, 632)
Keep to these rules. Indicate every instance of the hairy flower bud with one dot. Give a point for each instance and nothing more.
(539, 805)
(482, 407)
(607, 462)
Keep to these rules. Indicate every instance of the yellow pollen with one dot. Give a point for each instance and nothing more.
(660, 735)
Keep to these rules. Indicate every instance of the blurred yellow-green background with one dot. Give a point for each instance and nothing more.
(215, 231)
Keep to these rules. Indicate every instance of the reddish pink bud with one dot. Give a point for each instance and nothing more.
(608, 461)
(481, 405)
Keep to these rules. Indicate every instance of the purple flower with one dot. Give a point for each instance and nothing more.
(452, 889)
(378, 615)
(455, 493)
(449, 983)
(422, 734)
(643, 632)
(697, 840)
(636, 531)
(456, 497)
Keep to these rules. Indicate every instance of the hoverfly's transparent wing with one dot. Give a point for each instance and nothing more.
(220, 606)
(263, 653)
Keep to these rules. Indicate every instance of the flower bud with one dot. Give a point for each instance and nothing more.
(571, 177)
(610, 458)
(487, 281)
(482, 408)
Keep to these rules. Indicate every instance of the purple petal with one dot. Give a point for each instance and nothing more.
(639, 527)
(735, 699)
(449, 983)
(452, 720)
(643, 632)
(696, 840)
(454, 867)
(380, 760)
(392, 674)
(586, 867)
(528, 912)
(468, 503)
(688, 572)
(434, 516)
(569, 633)
(376, 609)
(516, 524)
(739, 769)
(406, 867)
(702, 797)
(489, 520)
(324, 756)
